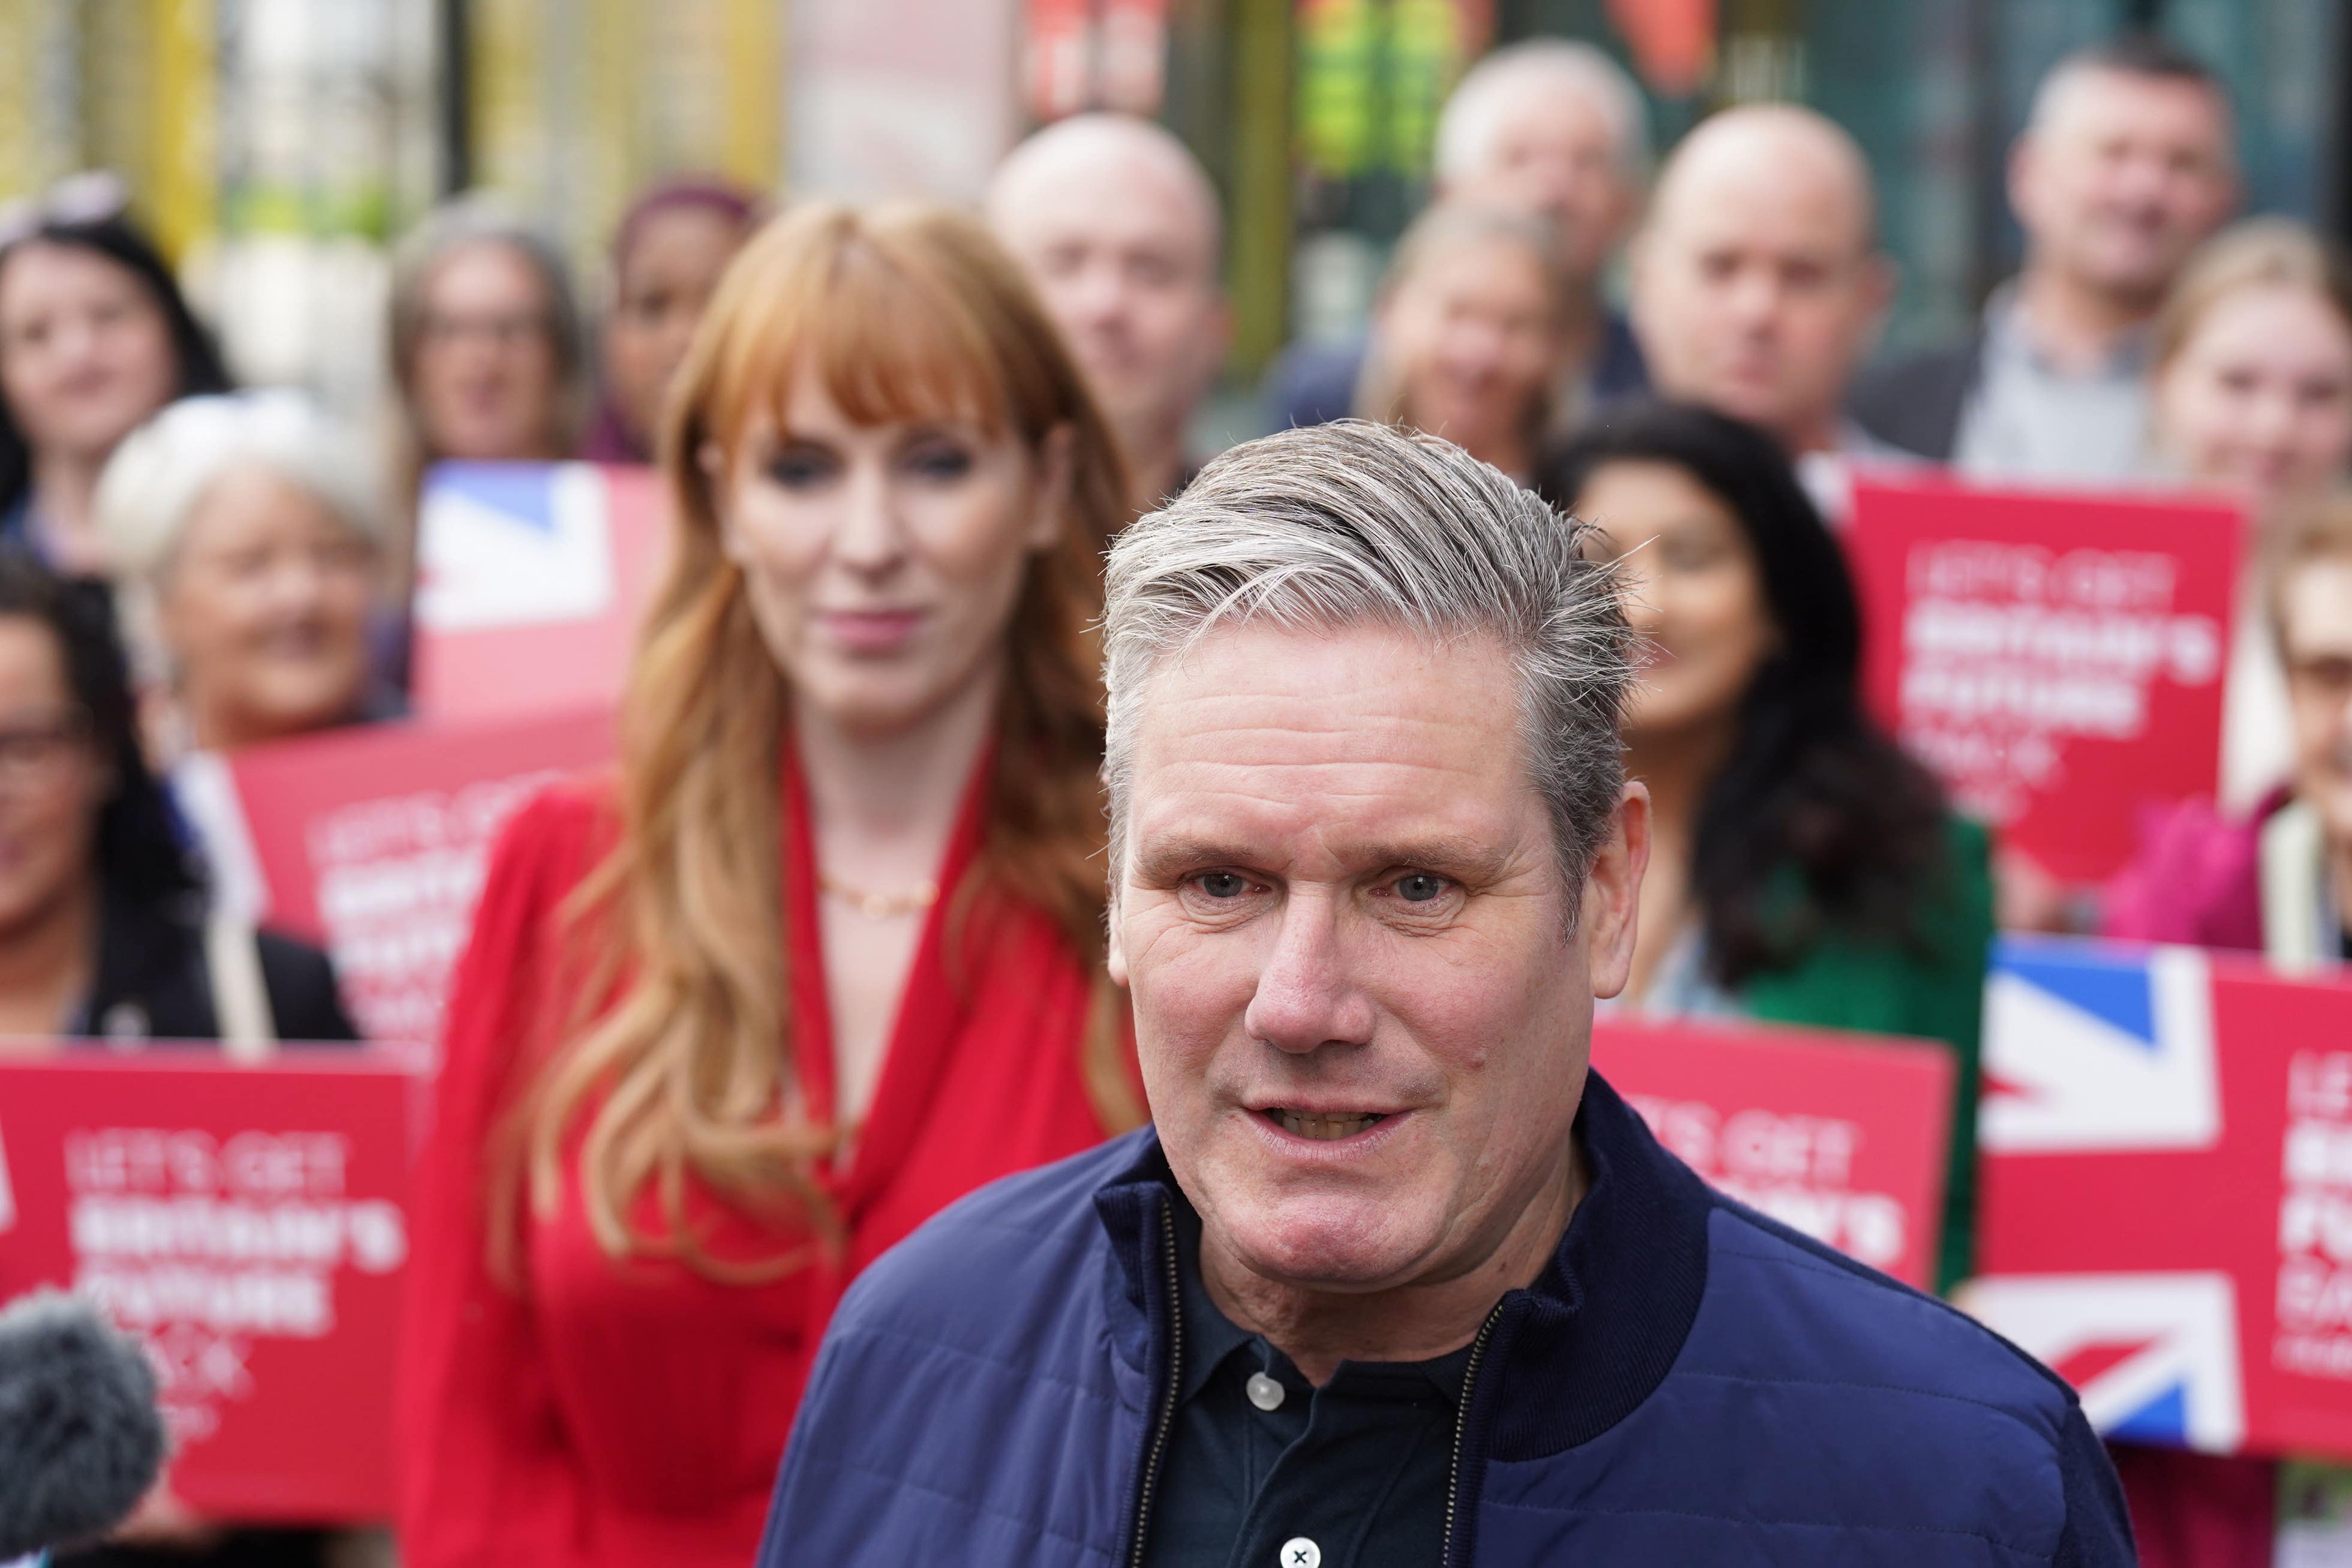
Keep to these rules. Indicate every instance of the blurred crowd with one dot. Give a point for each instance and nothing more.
(895, 441)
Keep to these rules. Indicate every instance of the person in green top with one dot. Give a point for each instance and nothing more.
(1802, 869)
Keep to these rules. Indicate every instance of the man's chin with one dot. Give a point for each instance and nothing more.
(1325, 1246)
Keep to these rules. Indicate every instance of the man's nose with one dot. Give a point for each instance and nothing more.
(1754, 297)
(1100, 295)
(2142, 183)
(1305, 997)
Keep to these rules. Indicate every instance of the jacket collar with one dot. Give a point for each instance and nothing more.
(1571, 1354)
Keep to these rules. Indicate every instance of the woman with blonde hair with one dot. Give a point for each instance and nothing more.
(2250, 362)
(2251, 366)
(824, 954)
(1467, 335)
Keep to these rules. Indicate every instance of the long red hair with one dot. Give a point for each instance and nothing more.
(906, 312)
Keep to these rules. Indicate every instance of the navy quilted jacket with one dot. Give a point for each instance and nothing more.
(1688, 1383)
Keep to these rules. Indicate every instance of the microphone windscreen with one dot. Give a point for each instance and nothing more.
(81, 1441)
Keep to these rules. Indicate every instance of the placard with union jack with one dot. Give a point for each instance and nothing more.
(531, 580)
(2166, 1216)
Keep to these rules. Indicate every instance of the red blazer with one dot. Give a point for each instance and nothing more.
(634, 1413)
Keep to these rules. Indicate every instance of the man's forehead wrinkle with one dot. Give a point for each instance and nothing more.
(1354, 716)
(1276, 823)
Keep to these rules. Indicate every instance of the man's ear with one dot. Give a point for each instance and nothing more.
(1115, 958)
(1613, 893)
(2019, 180)
(1216, 342)
(1881, 278)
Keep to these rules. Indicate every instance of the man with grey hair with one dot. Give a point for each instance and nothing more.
(1395, 1278)
(1117, 225)
(2125, 167)
(1549, 128)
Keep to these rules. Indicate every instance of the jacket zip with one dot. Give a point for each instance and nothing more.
(1461, 1430)
(1167, 1422)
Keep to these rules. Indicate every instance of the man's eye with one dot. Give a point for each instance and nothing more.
(1222, 883)
(1420, 886)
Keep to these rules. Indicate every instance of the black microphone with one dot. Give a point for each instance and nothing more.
(81, 1441)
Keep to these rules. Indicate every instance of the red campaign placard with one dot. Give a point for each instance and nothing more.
(2057, 659)
(248, 1224)
(532, 578)
(373, 841)
(2166, 1214)
(1845, 1137)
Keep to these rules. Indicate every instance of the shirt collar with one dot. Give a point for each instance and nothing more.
(2009, 334)
(1583, 1345)
(1211, 1338)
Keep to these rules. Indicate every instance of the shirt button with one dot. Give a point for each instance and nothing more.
(1300, 1552)
(1267, 1394)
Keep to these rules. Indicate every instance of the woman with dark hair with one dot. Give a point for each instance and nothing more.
(103, 930)
(1802, 868)
(668, 250)
(95, 337)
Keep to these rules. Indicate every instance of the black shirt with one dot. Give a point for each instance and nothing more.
(1351, 1475)
(151, 980)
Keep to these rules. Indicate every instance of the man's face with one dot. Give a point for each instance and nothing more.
(1757, 298)
(1554, 157)
(1125, 262)
(2124, 178)
(1363, 1025)
(2315, 634)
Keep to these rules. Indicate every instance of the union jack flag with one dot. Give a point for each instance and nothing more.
(2103, 1133)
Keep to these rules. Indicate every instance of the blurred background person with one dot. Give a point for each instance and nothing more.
(669, 252)
(486, 354)
(105, 935)
(246, 531)
(1467, 335)
(94, 337)
(1758, 284)
(2251, 374)
(102, 922)
(1802, 868)
(2124, 166)
(827, 952)
(1119, 229)
(1554, 130)
(2275, 879)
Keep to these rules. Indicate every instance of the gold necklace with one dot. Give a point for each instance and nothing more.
(881, 905)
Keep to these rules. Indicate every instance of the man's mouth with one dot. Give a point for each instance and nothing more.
(1324, 1127)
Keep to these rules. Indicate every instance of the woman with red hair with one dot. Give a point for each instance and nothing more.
(823, 954)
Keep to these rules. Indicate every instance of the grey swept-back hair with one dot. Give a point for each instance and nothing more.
(1353, 523)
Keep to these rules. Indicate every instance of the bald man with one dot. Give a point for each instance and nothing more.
(1758, 281)
(1118, 225)
(2124, 168)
